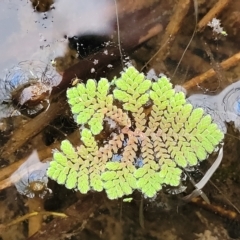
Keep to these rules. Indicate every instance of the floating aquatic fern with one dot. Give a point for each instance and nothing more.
(155, 134)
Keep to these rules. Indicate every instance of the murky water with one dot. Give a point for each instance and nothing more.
(30, 40)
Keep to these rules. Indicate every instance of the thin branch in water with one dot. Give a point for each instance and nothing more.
(193, 34)
(118, 33)
(230, 62)
(29, 215)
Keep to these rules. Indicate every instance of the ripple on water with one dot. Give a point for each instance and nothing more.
(30, 178)
(29, 83)
(224, 107)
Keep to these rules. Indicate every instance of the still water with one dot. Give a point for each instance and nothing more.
(33, 35)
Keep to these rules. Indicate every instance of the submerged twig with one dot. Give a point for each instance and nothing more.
(230, 62)
(229, 214)
(32, 127)
(172, 29)
(35, 222)
(29, 215)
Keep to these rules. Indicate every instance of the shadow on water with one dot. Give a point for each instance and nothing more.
(34, 35)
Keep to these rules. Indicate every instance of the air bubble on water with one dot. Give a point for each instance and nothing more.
(32, 171)
(151, 75)
(139, 162)
(208, 104)
(224, 107)
(116, 158)
(19, 77)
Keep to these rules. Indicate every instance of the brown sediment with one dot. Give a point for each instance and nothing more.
(78, 213)
(197, 64)
(131, 6)
(230, 62)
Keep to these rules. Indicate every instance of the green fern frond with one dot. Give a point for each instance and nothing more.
(118, 180)
(87, 99)
(131, 89)
(148, 181)
(154, 134)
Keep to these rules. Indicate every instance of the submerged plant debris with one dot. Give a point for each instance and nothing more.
(215, 24)
(145, 151)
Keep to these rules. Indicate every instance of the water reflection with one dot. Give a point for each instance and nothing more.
(40, 37)
(27, 34)
(27, 73)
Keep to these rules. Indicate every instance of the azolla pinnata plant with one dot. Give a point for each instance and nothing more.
(155, 134)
